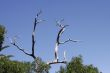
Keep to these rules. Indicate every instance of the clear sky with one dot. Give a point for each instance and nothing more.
(89, 22)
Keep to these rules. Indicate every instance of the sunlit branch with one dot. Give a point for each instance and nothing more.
(50, 63)
(64, 55)
(62, 28)
(58, 42)
(60, 33)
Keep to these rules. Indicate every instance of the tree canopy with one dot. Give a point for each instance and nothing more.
(9, 66)
(2, 32)
(76, 66)
(41, 66)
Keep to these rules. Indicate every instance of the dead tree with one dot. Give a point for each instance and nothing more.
(32, 54)
(58, 43)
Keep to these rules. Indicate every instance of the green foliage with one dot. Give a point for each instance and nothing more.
(76, 66)
(2, 37)
(2, 32)
(8, 66)
(38, 66)
(62, 70)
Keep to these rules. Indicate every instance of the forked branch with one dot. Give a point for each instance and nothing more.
(58, 42)
(20, 49)
(36, 21)
(62, 29)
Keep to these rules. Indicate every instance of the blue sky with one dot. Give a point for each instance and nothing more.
(89, 22)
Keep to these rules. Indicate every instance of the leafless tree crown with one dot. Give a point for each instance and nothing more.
(62, 27)
(32, 54)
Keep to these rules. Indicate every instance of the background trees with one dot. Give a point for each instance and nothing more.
(42, 67)
(9, 66)
(2, 32)
(76, 66)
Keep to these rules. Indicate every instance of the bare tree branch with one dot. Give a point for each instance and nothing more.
(59, 23)
(58, 42)
(64, 54)
(69, 40)
(50, 63)
(20, 49)
(36, 21)
(62, 28)
(39, 13)
(60, 33)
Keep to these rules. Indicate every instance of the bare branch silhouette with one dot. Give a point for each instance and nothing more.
(69, 40)
(20, 49)
(36, 21)
(64, 62)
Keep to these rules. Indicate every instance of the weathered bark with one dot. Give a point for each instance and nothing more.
(58, 42)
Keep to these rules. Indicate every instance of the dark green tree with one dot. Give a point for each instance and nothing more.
(2, 37)
(9, 66)
(41, 67)
(2, 32)
(76, 66)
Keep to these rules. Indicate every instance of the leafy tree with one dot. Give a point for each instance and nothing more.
(8, 66)
(2, 37)
(76, 66)
(41, 66)
(2, 32)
